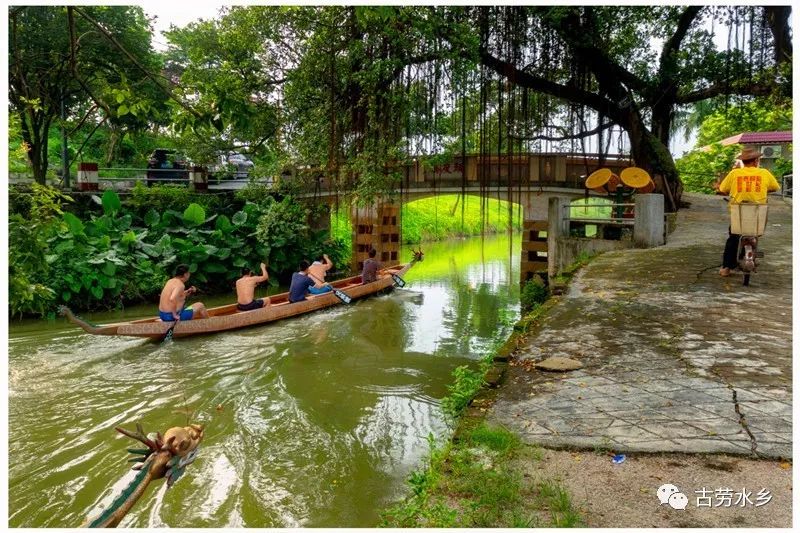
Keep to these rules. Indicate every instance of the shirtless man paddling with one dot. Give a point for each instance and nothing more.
(246, 288)
(173, 297)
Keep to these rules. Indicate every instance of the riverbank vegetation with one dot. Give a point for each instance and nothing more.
(111, 254)
(480, 477)
(477, 481)
(108, 251)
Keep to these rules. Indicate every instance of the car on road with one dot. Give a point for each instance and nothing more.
(167, 166)
(232, 165)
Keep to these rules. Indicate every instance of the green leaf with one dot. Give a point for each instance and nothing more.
(122, 110)
(109, 269)
(97, 292)
(64, 246)
(128, 238)
(215, 268)
(111, 202)
(223, 224)
(125, 222)
(51, 258)
(150, 250)
(74, 223)
(152, 218)
(194, 214)
(239, 218)
(239, 262)
(66, 295)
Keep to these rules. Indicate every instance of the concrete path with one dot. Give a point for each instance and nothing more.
(676, 359)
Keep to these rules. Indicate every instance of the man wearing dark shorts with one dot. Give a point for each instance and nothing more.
(246, 288)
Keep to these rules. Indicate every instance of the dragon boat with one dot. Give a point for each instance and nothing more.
(228, 317)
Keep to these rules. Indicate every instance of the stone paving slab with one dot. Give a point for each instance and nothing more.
(676, 359)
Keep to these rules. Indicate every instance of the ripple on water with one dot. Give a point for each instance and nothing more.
(314, 421)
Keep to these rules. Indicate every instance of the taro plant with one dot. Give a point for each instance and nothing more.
(99, 261)
(214, 247)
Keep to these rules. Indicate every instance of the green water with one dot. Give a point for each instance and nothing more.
(313, 421)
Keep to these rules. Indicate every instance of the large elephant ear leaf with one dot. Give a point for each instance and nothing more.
(239, 218)
(194, 215)
(73, 223)
(152, 218)
(111, 202)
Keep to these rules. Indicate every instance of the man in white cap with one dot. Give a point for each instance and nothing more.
(747, 183)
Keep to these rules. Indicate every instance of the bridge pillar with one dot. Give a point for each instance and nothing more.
(376, 227)
(533, 257)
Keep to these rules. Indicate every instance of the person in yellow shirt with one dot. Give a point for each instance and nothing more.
(748, 183)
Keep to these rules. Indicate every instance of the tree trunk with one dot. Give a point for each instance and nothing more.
(34, 133)
(651, 154)
(113, 139)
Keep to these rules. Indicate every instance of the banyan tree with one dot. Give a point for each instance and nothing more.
(373, 83)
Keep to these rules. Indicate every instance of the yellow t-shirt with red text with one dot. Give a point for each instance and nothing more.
(749, 184)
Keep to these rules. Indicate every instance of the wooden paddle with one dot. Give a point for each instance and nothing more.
(171, 330)
(339, 294)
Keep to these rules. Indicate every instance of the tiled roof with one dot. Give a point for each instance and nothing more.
(759, 137)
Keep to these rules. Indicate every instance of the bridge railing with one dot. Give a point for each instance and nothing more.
(491, 172)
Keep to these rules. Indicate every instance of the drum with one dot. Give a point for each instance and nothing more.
(602, 181)
(638, 179)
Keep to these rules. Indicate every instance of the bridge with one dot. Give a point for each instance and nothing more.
(529, 179)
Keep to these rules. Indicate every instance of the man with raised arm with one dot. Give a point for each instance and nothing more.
(246, 289)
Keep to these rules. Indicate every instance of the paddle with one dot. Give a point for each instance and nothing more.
(168, 335)
(339, 294)
(170, 331)
(418, 255)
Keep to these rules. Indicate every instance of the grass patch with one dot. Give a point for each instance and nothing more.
(480, 484)
(558, 501)
(438, 218)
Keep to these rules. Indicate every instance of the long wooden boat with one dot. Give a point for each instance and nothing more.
(228, 317)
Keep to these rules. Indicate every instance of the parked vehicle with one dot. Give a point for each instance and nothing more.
(232, 165)
(167, 166)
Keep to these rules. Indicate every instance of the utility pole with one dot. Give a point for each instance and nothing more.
(64, 160)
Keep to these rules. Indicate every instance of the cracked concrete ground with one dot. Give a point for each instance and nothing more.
(676, 359)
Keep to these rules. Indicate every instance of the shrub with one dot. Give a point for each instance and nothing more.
(534, 293)
(164, 197)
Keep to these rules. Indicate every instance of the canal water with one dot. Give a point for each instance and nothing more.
(314, 421)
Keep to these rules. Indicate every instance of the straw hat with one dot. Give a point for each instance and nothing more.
(748, 153)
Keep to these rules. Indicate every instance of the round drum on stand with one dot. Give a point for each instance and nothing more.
(638, 179)
(602, 181)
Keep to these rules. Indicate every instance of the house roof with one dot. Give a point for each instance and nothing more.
(759, 137)
(755, 137)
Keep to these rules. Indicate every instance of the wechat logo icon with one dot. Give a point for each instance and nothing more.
(671, 495)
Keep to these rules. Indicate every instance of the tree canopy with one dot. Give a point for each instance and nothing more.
(354, 88)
